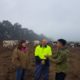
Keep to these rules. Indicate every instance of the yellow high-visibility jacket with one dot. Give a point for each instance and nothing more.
(42, 52)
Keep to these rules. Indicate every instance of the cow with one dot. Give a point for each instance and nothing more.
(9, 43)
(36, 42)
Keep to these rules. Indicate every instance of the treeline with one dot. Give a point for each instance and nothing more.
(9, 31)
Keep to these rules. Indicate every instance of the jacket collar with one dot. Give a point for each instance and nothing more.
(42, 46)
(63, 48)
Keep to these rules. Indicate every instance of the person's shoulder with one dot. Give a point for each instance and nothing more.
(38, 46)
(65, 52)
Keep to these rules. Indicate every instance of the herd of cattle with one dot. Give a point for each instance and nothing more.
(12, 43)
(9, 43)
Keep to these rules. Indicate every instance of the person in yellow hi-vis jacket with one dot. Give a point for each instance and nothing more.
(42, 54)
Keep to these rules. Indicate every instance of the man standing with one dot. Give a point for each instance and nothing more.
(60, 58)
(42, 54)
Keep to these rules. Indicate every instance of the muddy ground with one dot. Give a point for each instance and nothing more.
(7, 70)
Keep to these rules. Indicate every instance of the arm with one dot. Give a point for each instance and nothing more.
(61, 57)
(49, 53)
(53, 57)
(14, 56)
(37, 59)
(36, 51)
(56, 58)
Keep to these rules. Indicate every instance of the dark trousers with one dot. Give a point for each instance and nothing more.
(60, 76)
(42, 71)
(20, 73)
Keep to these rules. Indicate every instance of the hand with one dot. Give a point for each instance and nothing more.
(46, 56)
(43, 62)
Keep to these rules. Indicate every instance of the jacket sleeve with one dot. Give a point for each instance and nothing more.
(15, 56)
(60, 58)
(49, 51)
(37, 51)
(37, 59)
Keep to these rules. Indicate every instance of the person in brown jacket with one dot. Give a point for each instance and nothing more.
(20, 59)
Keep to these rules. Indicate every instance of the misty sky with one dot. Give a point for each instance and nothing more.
(53, 18)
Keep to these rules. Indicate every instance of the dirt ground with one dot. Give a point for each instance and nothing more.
(7, 70)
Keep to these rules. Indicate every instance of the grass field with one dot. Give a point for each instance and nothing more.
(7, 70)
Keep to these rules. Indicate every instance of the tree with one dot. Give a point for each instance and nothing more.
(9, 31)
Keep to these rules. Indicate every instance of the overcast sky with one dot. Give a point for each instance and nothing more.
(54, 18)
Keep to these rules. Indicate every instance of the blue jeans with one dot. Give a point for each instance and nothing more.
(20, 73)
(42, 70)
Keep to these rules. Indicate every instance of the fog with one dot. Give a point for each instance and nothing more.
(53, 18)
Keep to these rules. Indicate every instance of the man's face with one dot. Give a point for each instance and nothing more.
(59, 45)
(44, 42)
